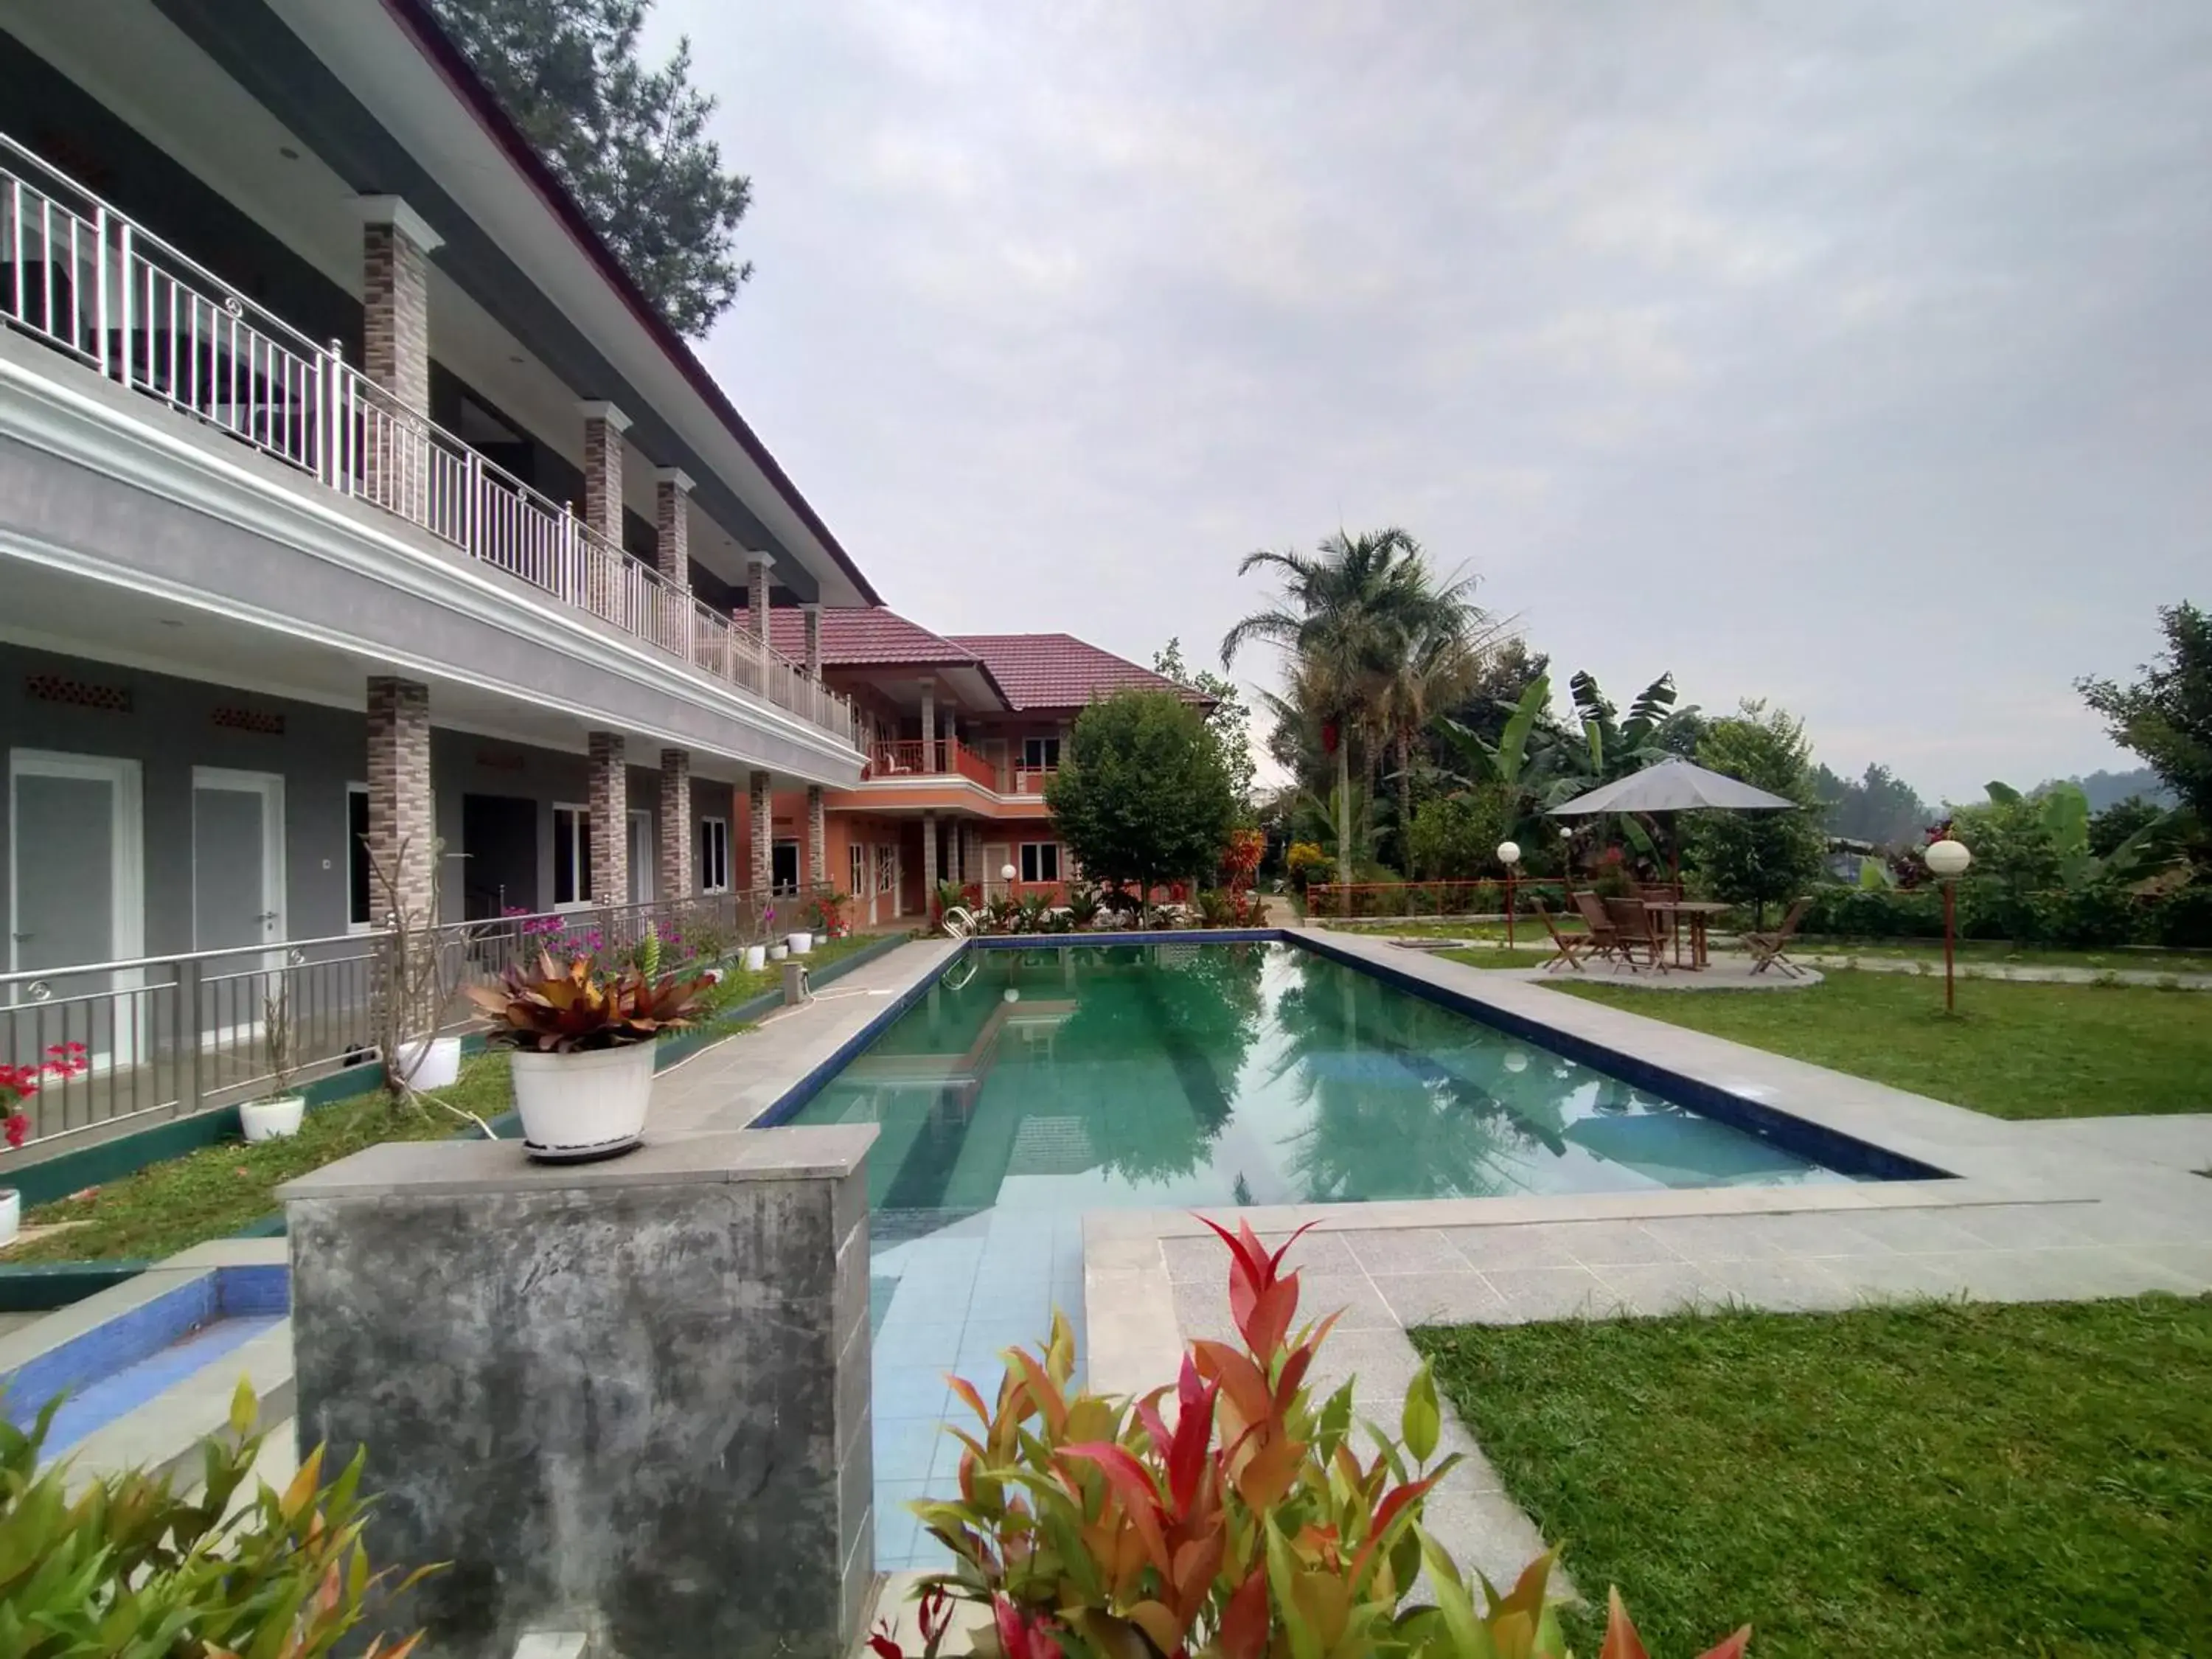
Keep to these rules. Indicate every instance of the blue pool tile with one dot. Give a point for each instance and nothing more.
(896, 1528)
(920, 1345)
(906, 1449)
(901, 1391)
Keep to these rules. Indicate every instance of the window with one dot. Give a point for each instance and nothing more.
(887, 870)
(360, 885)
(783, 866)
(713, 855)
(1041, 859)
(856, 860)
(572, 856)
(1040, 754)
(641, 859)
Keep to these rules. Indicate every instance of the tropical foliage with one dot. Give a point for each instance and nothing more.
(577, 1008)
(2166, 715)
(1143, 795)
(1232, 1515)
(1759, 858)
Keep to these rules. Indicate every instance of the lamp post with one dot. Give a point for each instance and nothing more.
(1509, 855)
(1947, 859)
(1006, 873)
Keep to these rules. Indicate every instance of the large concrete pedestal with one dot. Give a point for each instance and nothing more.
(629, 1399)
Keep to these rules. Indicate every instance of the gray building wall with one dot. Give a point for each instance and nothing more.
(171, 725)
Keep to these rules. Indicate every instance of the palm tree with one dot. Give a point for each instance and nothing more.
(1435, 671)
(1349, 615)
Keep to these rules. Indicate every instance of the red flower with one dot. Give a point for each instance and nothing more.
(19, 1130)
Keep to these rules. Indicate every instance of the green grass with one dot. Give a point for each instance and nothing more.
(1527, 928)
(1985, 953)
(1933, 1481)
(2012, 1050)
(218, 1190)
(1488, 957)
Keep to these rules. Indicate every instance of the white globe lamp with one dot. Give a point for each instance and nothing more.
(1509, 853)
(1948, 857)
(1012, 994)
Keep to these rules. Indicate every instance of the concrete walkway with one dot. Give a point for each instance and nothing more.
(2081, 1208)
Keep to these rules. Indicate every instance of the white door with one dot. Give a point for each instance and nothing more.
(238, 860)
(76, 894)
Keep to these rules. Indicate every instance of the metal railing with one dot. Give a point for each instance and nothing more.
(921, 757)
(173, 1035)
(88, 280)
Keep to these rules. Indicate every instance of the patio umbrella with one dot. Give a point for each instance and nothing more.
(1673, 786)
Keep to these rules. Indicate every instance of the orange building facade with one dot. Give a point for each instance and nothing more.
(962, 733)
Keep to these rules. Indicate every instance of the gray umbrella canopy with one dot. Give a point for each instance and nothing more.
(1673, 786)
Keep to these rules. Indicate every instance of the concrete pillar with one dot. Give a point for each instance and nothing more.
(928, 859)
(671, 524)
(760, 826)
(675, 882)
(402, 815)
(603, 425)
(817, 839)
(627, 1399)
(396, 244)
(610, 804)
(929, 727)
(812, 615)
(757, 566)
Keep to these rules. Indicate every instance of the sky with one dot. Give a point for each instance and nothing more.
(1853, 357)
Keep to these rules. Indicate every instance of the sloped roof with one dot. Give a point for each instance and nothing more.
(865, 636)
(1058, 670)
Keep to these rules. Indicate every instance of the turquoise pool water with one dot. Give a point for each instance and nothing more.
(1027, 1087)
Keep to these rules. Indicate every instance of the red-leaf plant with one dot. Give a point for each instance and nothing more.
(19, 1083)
(1229, 1516)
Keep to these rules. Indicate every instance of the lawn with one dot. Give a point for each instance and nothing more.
(2012, 1050)
(1935, 1479)
(1499, 956)
(1526, 928)
(222, 1189)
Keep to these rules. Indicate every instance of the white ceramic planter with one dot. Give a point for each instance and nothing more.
(11, 1214)
(800, 943)
(578, 1107)
(755, 957)
(272, 1119)
(778, 952)
(432, 1065)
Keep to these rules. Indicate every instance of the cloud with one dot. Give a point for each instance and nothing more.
(1853, 357)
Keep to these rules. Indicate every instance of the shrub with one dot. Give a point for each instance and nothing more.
(1307, 864)
(1094, 1528)
(127, 1565)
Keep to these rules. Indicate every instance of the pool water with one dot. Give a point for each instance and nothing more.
(1025, 1087)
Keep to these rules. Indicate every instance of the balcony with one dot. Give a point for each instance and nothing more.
(91, 284)
(911, 758)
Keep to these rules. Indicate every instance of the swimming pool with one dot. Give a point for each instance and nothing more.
(1025, 1087)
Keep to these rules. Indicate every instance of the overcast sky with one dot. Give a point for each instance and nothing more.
(1854, 356)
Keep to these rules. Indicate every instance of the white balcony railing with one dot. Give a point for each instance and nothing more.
(89, 282)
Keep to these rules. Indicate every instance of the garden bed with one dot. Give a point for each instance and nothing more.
(2013, 1050)
(1936, 1480)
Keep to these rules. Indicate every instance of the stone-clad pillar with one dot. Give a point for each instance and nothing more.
(671, 524)
(760, 826)
(599, 1392)
(676, 881)
(818, 836)
(396, 244)
(756, 593)
(402, 816)
(929, 760)
(610, 804)
(928, 861)
(603, 425)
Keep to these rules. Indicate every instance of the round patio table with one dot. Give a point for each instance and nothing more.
(1697, 911)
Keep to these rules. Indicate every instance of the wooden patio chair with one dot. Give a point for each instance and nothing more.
(1771, 950)
(1633, 926)
(1570, 947)
(1604, 944)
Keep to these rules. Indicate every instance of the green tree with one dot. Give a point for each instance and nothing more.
(628, 141)
(1142, 794)
(1231, 719)
(1880, 807)
(2166, 715)
(1754, 858)
(1455, 838)
(1348, 614)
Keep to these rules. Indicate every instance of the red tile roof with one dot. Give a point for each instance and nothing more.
(1058, 670)
(864, 636)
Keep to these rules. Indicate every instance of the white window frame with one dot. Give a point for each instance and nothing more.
(887, 867)
(640, 821)
(1031, 857)
(367, 923)
(580, 853)
(1035, 746)
(714, 837)
(856, 866)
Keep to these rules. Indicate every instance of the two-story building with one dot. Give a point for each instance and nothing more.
(961, 733)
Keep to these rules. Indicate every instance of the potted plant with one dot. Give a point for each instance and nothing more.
(277, 1113)
(581, 1043)
(17, 1085)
